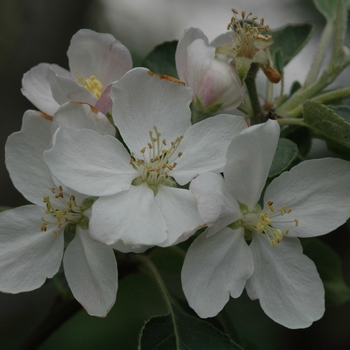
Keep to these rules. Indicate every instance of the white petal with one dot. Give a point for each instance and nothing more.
(215, 205)
(249, 157)
(181, 55)
(27, 255)
(215, 268)
(90, 163)
(91, 271)
(24, 157)
(124, 248)
(204, 146)
(222, 39)
(179, 210)
(286, 283)
(36, 87)
(199, 59)
(98, 54)
(212, 78)
(83, 116)
(317, 191)
(130, 216)
(66, 89)
(160, 102)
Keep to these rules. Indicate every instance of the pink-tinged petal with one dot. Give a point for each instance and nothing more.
(160, 102)
(131, 217)
(216, 206)
(91, 271)
(199, 59)
(66, 89)
(104, 103)
(24, 157)
(36, 88)
(221, 85)
(98, 54)
(222, 39)
(286, 283)
(179, 210)
(204, 146)
(317, 191)
(215, 268)
(82, 116)
(249, 158)
(190, 35)
(90, 163)
(27, 255)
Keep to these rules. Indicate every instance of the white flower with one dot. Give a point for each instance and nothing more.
(214, 81)
(256, 247)
(32, 236)
(248, 45)
(96, 62)
(139, 203)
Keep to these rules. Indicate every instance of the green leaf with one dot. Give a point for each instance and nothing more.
(326, 123)
(138, 299)
(329, 267)
(286, 152)
(180, 331)
(290, 40)
(162, 59)
(279, 62)
(300, 135)
(295, 87)
(328, 8)
(342, 111)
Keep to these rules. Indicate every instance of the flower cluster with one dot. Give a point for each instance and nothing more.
(112, 162)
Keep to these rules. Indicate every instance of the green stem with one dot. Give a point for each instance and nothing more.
(332, 95)
(322, 46)
(291, 121)
(250, 81)
(324, 98)
(340, 59)
(151, 268)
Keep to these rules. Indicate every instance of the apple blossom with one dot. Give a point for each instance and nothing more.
(32, 236)
(96, 62)
(214, 80)
(249, 45)
(256, 247)
(140, 204)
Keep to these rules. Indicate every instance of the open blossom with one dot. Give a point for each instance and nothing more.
(214, 80)
(96, 62)
(248, 45)
(256, 247)
(32, 236)
(140, 204)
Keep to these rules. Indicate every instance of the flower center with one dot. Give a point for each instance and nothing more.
(67, 213)
(261, 222)
(157, 162)
(247, 32)
(91, 84)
